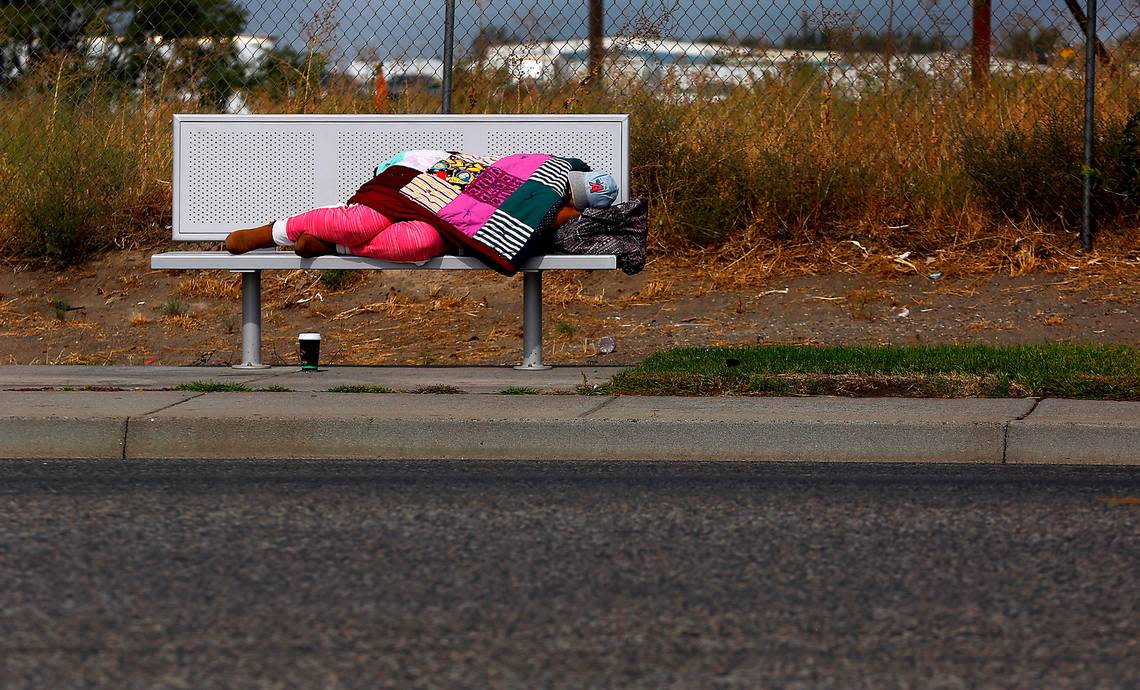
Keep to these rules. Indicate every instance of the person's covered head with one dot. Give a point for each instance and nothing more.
(594, 189)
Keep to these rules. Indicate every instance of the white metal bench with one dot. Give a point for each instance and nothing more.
(240, 171)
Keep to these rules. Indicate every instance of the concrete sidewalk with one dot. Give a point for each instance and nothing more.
(132, 412)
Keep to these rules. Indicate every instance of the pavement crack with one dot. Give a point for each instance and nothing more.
(1005, 428)
(173, 404)
(127, 422)
(126, 435)
(597, 407)
(1036, 402)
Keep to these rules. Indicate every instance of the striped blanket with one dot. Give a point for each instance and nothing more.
(495, 208)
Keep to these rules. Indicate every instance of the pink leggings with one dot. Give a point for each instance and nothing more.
(359, 230)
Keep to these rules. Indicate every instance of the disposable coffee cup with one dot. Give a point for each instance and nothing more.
(309, 345)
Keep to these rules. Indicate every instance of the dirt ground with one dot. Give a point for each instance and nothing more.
(116, 310)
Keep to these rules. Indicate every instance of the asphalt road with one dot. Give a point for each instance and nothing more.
(440, 574)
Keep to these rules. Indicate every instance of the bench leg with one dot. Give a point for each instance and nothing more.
(250, 321)
(532, 322)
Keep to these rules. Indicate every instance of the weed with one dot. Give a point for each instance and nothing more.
(1037, 173)
(565, 328)
(439, 389)
(519, 390)
(337, 278)
(173, 307)
(275, 389)
(213, 387)
(588, 389)
(361, 388)
(230, 324)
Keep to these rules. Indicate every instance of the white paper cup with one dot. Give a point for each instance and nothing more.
(309, 347)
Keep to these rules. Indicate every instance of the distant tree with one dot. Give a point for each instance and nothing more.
(39, 28)
(186, 19)
(833, 32)
(288, 73)
(1031, 43)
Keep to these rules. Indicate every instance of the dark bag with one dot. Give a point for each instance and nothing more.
(620, 229)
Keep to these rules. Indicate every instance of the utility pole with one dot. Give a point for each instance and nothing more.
(982, 39)
(1088, 223)
(448, 52)
(596, 29)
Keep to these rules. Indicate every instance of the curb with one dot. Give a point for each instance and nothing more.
(172, 425)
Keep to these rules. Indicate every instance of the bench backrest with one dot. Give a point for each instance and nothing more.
(239, 171)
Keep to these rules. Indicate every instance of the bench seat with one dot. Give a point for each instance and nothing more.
(271, 259)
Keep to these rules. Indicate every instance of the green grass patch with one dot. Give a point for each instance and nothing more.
(519, 390)
(440, 389)
(174, 307)
(1103, 372)
(565, 328)
(360, 389)
(337, 278)
(213, 387)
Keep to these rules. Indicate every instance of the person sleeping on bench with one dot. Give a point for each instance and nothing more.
(378, 223)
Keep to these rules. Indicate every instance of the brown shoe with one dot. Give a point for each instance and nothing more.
(242, 241)
(308, 246)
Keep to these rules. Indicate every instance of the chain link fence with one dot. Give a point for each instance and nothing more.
(857, 90)
(216, 53)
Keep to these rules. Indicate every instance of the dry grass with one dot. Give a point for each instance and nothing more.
(861, 301)
(1015, 251)
(14, 323)
(181, 322)
(786, 178)
(213, 284)
(104, 358)
(565, 288)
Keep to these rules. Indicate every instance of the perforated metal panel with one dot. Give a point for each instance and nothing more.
(248, 175)
(595, 146)
(359, 149)
(234, 171)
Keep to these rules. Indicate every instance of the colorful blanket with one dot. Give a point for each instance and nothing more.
(494, 207)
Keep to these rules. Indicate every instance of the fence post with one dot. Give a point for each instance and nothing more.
(448, 52)
(982, 39)
(1087, 220)
(596, 31)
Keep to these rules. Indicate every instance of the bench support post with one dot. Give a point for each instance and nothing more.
(532, 322)
(250, 321)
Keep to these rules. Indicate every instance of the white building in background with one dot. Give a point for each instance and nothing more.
(685, 68)
(250, 50)
(539, 60)
(399, 74)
